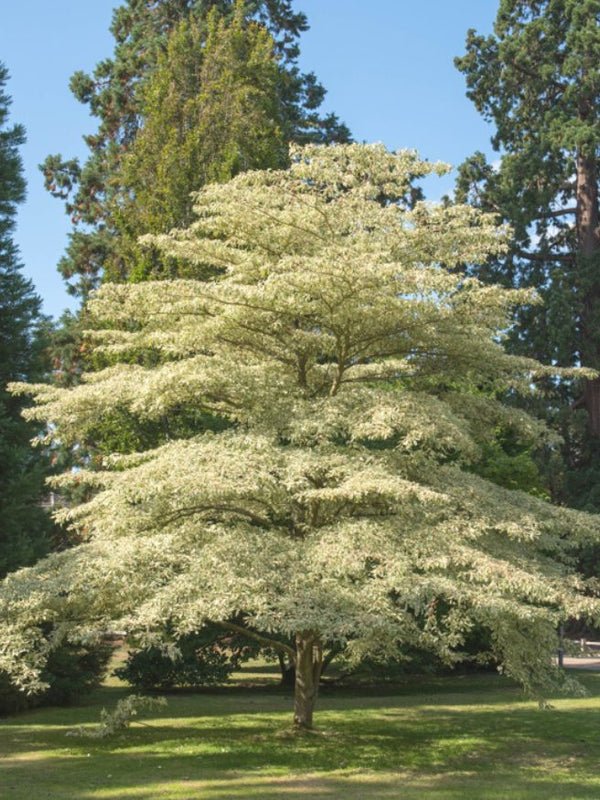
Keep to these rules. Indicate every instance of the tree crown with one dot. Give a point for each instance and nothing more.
(359, 371)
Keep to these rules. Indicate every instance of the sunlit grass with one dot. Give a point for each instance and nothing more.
(448, 738)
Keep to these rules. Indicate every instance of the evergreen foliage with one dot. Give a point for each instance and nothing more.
(71, 672)
(200, 658)
(25, 528)
(286, 105)
(343, 342)
(211, 109)
(536, 78)
(196, 663)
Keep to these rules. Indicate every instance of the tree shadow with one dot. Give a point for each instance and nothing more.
(228, 747)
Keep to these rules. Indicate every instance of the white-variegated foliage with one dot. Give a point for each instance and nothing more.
(360, 369)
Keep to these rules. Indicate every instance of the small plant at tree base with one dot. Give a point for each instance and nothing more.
(113, 722)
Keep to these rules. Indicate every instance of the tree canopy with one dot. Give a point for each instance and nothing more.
(117, 95)
(358, 372)
(25, 528)
(536, 79)
(211, 108)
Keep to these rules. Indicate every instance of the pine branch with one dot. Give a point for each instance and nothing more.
(560, 213)
(564, 258)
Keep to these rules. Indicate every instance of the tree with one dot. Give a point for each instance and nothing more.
(536, 79)
(359, 371)
(25, 532)
(211, 109)
(115, 94)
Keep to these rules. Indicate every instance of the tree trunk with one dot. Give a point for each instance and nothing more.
(591, 402)
(309, 659)
(587, 205)
(288, 672)
(589, 250)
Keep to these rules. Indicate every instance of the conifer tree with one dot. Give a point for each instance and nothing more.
(341, 341)
(24, 526)
(115, 94)
(537, 79)
(211, 109)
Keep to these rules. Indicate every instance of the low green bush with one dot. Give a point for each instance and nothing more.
(201, 661)
(71, 672)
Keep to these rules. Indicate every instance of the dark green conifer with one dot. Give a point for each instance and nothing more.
(115, 93)
(536, 78)
(25, 528)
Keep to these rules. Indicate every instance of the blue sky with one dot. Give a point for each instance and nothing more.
(387, 66)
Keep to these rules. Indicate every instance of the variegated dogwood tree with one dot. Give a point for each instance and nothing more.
(358, 370)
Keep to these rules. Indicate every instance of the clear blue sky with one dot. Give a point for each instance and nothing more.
(387, 66)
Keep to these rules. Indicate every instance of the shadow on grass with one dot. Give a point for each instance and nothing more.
(450, 745)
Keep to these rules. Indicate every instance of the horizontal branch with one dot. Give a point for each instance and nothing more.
(563, 257)
(559, 85)
(559, 213)
(257, 637)
(190, 511)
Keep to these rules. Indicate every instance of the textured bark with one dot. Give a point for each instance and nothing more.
(591, 402)
(589, 249)
(309, 660)
(587, 205)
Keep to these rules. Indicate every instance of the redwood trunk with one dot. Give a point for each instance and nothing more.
(589, 249)
(591, 402)
(309, 660)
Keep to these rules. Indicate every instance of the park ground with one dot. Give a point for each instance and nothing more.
(452, 738)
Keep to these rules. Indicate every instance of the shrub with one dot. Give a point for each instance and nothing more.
(202, 661)
(71, 672)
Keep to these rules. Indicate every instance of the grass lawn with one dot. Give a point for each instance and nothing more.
(449, 739)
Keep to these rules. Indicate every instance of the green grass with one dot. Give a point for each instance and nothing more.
(454, 738)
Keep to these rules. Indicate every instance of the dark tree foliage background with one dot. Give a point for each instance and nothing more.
(537, 79)
(25, 528)
(211, 108)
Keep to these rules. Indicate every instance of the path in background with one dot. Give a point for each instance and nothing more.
(592, 663)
